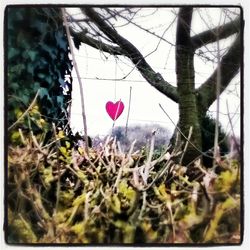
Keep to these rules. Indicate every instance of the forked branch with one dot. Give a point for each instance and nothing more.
(130, 51)
(210, 36)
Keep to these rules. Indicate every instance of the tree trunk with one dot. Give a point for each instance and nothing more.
(188, 111)
(193, 103)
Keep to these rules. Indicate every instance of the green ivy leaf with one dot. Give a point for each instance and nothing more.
(59, 100)
(38, 56)
(43, 92)
(60, 40)
(25, 99)
(32, 54)
(12, 52)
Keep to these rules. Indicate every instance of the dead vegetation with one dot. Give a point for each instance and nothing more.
(58, 194)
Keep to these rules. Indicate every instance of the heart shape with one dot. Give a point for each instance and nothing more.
(114, 110)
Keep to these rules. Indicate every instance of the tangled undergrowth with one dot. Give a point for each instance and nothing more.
(59, 194)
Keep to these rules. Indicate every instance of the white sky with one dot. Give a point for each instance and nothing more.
(145, 99)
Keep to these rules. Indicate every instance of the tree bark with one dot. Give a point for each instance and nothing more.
(130, 51)
(193, 103)
(230, 64)
(210, 36)
(188, 111)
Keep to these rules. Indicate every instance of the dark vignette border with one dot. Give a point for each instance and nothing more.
(5, 226)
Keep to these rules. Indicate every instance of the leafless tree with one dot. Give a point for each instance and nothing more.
(99, 27)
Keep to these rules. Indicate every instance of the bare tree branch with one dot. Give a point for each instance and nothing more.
(209, 36)
(97, 44)
(129, 50)
(230, 65)
(148, 31)
(79, 80)
(184, 27)
(184, 52)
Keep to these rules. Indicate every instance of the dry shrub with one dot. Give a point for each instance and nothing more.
(59, 194)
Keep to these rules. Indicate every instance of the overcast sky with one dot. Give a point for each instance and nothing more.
(77, 123)
(99, 71)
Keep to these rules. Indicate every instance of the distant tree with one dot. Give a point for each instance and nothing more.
(98, 30)
(143, 135)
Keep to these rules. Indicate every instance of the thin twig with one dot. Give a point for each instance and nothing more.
(202, 153)
(86, 206)
(169, 207)
(232, 128)
(51, 143)
(145, 170)
(116, 113)
(235, 142)
(218, 87)
(159, 175)
(21, 136)
(58, 189)
(124, 164)
(119, 175)
(186, 145)
(144, 204)
(37, 144)
(150, 32)
(152, 144)
(79, 80)
(26, 111)
(129, 103)
(131, 148)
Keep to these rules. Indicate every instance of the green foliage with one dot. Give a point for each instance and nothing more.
(24, 235)
(220, 210)
(31, 120)
(37, 58)
(58, 194)
(207, 132)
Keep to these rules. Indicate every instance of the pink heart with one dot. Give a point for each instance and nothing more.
(114, 110)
